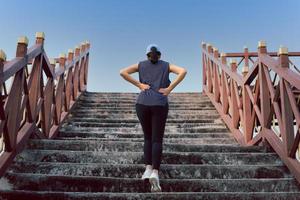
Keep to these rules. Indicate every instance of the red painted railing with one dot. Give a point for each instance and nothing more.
(41, 93)
(261, 101)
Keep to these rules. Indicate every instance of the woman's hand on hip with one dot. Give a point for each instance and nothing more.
(165, 91)
(143, 86)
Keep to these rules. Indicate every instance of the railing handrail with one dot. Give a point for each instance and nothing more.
(260, 103)
(39, 100)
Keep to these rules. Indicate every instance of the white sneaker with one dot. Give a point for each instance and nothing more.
(154, 181)
(147, 174)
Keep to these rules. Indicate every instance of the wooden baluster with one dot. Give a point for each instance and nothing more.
(286, 109)
(265, 105)
(14, 100)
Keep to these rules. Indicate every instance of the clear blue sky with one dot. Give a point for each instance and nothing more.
(120, 30)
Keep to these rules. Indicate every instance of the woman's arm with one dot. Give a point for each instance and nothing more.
(125, 73)
(181, 72)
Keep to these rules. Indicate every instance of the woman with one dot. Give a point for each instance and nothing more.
(152, 106)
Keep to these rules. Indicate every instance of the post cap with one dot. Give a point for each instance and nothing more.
(40, 35)
(70, 51)
(52, 61)
(223, 54)
(232, 61)
(283, 50)
(262, 43)
(2, 55)
(245, 69)
(62, 55)
(23, 40)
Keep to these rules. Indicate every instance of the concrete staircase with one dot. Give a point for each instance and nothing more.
(99, 155)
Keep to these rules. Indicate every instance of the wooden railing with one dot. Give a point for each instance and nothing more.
(42, 92)
(258, 97)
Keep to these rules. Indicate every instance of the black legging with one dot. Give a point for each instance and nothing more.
(153, 119)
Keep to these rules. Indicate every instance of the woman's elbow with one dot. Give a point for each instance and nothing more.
(184, 71)
(122, 72)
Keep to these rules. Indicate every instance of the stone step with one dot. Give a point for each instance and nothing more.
(198, 141)
(212, 158)
(133, 101)
(112, 109)
(132, 111)
(138, 129)
(71, 134)
(44, 182)
(136, 120)
(167, 171)
(129, 146)
(132, 106)
(137, 124)
(133, 116)
(117, 94)
(48, 195)
(135, 97)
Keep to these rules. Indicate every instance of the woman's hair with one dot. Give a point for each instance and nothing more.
(154, 56)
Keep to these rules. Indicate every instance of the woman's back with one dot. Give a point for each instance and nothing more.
(156, 76)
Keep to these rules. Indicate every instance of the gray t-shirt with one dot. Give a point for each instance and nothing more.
(157, 76)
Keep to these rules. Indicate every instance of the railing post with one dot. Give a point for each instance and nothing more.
(209, 68)
(35, 83)
(62, 61)
(265, 106)
(216, 85)
(224, 83)
(60, 89)
(246, 63)
(39, 38)
(81, 70)
(287, 113)
(2, 60)
(234, 109)
(69, 81)
(13, 105)
(76, 73)
(86, 67)
(203, 67)
(22, 47)
(2, 114)
(247, 121)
